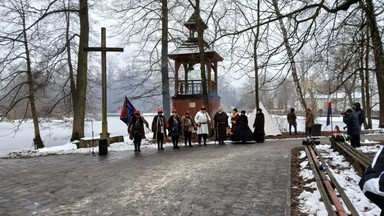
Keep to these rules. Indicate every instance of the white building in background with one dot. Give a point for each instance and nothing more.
(340, 102)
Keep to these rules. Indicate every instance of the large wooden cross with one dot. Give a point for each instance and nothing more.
(103, 49)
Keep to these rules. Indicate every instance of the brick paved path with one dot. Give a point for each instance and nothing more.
(233, 179)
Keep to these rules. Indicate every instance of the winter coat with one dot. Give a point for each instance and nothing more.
(174, 124)
(234, 118)
(132, 126)
(360, 113)
(159, 120)
(291, 117)
(203, 122)
(309, 120)
(188, 123)
(259, 123)
(242, 131)
(372, 182)
(221, 124)
(352, 122)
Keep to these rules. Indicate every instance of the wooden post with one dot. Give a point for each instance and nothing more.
(103, 49)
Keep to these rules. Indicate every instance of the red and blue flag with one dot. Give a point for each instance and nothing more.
(127, 111)
(329, 113)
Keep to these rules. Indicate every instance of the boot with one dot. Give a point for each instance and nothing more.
(138, 147)
(158, 146)
(135, 144)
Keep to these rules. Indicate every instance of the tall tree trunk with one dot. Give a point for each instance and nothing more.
(164, 59)
(368, 105)
(378, 54)
(290, 56)
(37, 141)
(257, 98)
(70, 66)
(82, 69)
(200, 36)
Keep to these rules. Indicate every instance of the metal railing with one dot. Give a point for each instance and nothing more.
(193, 87)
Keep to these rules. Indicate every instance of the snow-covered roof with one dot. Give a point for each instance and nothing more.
(191, 47)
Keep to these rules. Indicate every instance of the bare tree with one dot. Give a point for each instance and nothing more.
(79, 94)
(19, 40)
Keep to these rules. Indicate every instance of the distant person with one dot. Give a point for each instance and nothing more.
(242, 131)
(188, 124)
(159, 126)
(203, 121)
(309, 121)
(174, 124)
(351, 120)
(259, 124)
(360, 113)
(291, 117)
(136, 129)
(234, 116)
(221, 124)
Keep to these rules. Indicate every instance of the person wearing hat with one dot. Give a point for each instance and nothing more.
(259, 124)
(242, 131)
(188, 125)
(309, 121)
(203, 121)
(159, 129)
(353, 128)
(136, 129)
(174, 128)
(234, 116)
(291, 117)
(221, 123)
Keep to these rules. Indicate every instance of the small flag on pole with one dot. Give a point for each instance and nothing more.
(329, 113)
(127, 111)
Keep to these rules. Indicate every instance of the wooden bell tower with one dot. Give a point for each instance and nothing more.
(188, 81)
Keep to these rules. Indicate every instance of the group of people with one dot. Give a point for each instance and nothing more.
(353, 118)
(309, 121)
(201, 124)
(240, 130)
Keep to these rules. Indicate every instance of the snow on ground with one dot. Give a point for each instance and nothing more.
(16, 141)
(346, 176)
(16, 137)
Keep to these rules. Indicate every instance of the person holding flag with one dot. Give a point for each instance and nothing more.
(127, 111)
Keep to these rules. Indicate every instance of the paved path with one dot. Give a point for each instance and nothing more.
(251, 179)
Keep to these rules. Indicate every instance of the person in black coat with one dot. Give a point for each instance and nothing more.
(353, 128)
(242, 131)
(221, 124)
(159, 129)
(174, 124)
(259, 124)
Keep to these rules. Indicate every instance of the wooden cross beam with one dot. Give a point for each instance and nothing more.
(103, 49)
